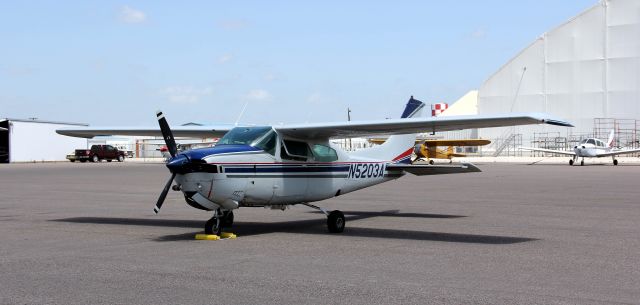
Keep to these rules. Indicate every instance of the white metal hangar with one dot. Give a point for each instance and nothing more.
(35, 141)
(587, 71)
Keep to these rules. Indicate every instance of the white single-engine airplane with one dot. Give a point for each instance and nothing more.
(590, 148)
(278, 166)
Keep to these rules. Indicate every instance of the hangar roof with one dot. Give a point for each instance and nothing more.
(42, 122)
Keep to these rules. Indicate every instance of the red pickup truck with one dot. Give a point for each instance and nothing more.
(98, 153)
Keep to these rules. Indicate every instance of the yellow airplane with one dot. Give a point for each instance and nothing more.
(428, 149)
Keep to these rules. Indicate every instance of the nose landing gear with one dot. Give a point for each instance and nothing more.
(219, 220)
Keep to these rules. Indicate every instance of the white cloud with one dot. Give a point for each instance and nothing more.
(231, 24)
(479, 33)
(185, 94)
(225, 58)
(130, 15)
(315, 98)
(258, 95)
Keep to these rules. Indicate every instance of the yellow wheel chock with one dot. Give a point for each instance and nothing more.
(223, 235)
(228, 235)
(207, 237)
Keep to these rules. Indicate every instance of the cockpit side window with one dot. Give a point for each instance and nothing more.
(324, 153)
(599, 143)
(591, 141)
(294, 150)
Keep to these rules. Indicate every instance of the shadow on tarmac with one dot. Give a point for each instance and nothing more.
(312, 226)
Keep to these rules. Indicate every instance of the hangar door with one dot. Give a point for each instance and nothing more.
(4, 141)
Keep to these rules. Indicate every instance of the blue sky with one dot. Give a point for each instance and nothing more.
(116, 63)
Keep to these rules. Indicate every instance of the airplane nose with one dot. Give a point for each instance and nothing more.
(187, 162)
(178, 163)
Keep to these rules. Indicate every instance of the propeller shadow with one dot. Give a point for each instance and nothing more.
(311, 226)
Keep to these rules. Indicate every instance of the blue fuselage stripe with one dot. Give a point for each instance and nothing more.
(286, 169)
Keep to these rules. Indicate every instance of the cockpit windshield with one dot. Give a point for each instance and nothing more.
(584, 141)
(244, 135)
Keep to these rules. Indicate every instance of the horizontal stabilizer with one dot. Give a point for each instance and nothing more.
(424, 169)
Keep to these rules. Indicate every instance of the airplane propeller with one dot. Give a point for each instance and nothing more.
(173, 150)
(166, 134)
(163, 195)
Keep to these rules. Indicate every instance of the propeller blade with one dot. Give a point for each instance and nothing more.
(167, 134)
(163, 195)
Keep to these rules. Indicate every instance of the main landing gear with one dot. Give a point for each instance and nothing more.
(219, 220)
(335, 219)
(615, 161)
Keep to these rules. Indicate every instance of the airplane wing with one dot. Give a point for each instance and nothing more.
(424, 169)
(331, 130)
(462, 142)
(561, 152)
(619, 152)
(414, 125)
(204, 131)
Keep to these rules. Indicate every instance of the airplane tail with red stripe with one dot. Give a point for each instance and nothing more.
(397, 148)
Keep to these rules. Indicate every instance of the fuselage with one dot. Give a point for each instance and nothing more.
(591, 148)
(266, 169)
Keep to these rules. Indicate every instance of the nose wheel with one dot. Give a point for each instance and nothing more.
(219, 220)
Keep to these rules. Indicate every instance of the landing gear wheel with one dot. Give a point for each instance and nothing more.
(571, 162)
(120, 159)
(109, 160)
(582, 163)
(214, 225)
(227, 218)
(431, 162)
(615, 162)
(336, 222)
(95, 159)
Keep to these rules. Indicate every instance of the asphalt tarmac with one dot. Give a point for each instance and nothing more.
(513, 234)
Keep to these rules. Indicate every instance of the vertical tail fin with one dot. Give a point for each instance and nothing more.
(397, 148)
(611, 138)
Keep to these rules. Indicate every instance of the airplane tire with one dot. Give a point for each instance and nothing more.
(431, 162)
(571, 162)
(615, 162)
(213, 226)
(582, 163)
(227, 219)
(336, 222)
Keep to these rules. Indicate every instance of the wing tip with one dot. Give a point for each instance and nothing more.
(557, 122)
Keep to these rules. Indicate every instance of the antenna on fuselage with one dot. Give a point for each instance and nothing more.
(241, 112)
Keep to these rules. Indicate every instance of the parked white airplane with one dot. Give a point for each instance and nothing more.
(590, 148)
(278, 166)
